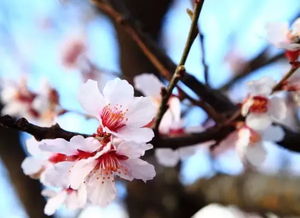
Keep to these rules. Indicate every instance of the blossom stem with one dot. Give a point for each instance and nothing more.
(279, 85)
(180, 69)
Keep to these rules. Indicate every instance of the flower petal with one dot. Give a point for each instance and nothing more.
(57, 175)
(140, 112)
(54, 203)
(101, 191)
(262, 86)
(118, 92)
(277, 33)
(77, 198)
(89, 144)
(90, 98)
(132, 149)
(80, 171)
(273, 134)
(256, 154)
(32, 165)
(258, 122)
(277, 108)
(167, 157)
(136, 134)
(58, 145)
(139, 169)
(148, 84)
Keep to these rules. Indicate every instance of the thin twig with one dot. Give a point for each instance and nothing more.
(180, 69)
(279, 85)
(203, 59)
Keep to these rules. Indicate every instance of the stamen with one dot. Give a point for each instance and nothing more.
(113, 117)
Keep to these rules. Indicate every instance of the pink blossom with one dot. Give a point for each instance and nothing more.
(249, 143)
(72, 199)
(261, 109)
(279, 34)
(118, 111)
(98, 167)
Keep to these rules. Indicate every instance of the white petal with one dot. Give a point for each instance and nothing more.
(57, 175)
(32, 165)
(258, 121)
(54, 203)
(33, 148)
(80, 171)
(90, 98)
(136, 134)
(273, 133)
(118, 92)
(277, 33)
(132, 149)
(58, 145)
(139, 169)
(148, 84)
(167, 157)
(277, 108)
(89, 144)
(101, 191)
(262, 86)
(218, 211)
(77, 198)
(140, 112)
(49, 193)
(242, 141)
(256, 154)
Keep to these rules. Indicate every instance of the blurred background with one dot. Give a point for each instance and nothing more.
(35, 36)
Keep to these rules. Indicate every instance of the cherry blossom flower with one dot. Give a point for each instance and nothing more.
(259, 108)
(17, 99)
(42, 107)
(249, 143)
(119, 112)
(279, 34)
(64, 156)
(73, 50)
(97, 170)
(150, 86)
(72, 199)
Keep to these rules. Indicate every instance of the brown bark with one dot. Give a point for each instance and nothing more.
(279, 194)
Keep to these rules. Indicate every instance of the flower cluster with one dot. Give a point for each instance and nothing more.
(39, 107)
(83, 170)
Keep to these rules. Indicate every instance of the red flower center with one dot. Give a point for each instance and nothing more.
(113, 117)
(110, 162)
(259, 105)
(56, 158)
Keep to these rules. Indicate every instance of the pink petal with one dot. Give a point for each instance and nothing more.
(277, 108)
(32, 165)
(140, 112)
(54, 203)
(57, 175)
(139, 169)
(77, 198)
(136, 134)
(90, 98)
(132, 149)
(118, 92)
(167, 157)
(58, 145)
(148, 84)
(101, 191)
(89, 144)
(258, 122)
(80, 171)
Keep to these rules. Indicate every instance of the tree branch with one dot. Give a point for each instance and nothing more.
(161, 61)
(180, 69)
